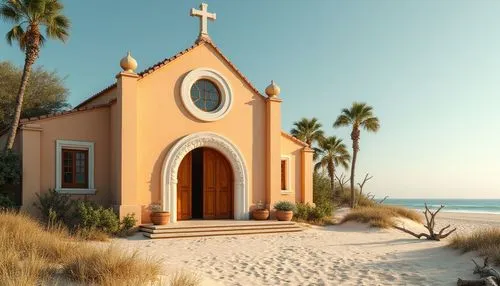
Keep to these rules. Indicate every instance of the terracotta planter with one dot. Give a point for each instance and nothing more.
(160, 218)
(284, 215)
(261, 214)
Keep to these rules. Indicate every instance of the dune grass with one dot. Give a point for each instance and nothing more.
(31, 255)
(184, 279)
(381, 216)
(486, 242)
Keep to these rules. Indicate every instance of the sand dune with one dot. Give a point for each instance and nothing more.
(350, 254)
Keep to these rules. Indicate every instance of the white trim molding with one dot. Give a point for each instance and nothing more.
(225, 147)
(220, 81)
(82, 145)
(288, 160)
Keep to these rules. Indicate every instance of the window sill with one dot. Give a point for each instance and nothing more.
(286, 192)
(76, 191)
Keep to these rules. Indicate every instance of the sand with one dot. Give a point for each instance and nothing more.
(349, 254)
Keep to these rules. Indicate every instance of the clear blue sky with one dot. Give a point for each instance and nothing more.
(431, 69)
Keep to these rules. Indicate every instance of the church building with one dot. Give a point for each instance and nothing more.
(190, 133)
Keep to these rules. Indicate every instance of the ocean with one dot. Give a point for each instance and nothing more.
(451, 205)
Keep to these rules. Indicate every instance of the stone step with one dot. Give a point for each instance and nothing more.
(217, 225)
(221, 229)
(181, 234)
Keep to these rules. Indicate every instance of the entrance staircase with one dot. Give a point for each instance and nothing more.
(217, 228)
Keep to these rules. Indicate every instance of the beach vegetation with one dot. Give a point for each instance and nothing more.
(307, 130)
(381, 216)
(85, 219)
(28, 18)
(485, 241)
(331, 154)
(183, 278)
(359, 115)
(313, 214)
(33, 255)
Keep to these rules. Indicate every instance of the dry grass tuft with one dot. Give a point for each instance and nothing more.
(110, 265)
(31, 255)
(381, 216)
(486, 242)
(185, 279)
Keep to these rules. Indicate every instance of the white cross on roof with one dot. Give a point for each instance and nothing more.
(204, 16)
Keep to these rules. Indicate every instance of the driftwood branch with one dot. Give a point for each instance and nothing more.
(366, 179)
(383, 200)
(489, 276)
(430, 224)
(342, 181)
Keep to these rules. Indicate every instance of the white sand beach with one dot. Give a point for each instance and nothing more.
(349, 254)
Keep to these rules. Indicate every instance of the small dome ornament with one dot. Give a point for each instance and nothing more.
(273, 90)
(128, 63)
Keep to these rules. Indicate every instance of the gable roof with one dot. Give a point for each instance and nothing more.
(294, 139)
(160, 64)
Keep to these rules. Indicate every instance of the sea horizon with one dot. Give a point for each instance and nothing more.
(480, 206)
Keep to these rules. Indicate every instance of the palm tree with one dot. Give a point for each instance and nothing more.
(307, 130)
(332, 153)
(359, 115)
(28, 16)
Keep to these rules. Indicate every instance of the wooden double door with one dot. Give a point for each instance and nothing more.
(205, 179)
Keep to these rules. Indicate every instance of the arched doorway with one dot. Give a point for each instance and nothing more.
(204, 186)
(211, 140)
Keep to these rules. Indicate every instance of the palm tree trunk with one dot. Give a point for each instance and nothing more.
(355, 149)
(32, 51)
(353, 167)
(19, 106)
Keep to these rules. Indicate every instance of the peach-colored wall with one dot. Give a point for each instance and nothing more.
(164, 120)
(293, 151)
(91, 125)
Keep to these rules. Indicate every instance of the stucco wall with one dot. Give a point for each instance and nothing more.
(294, 152)
(92, 125)
(163, 120)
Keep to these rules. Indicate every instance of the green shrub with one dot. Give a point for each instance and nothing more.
(309, 213)
(10, 168)
(284, 206)
(6, 203)
(54, 202)
(90, 216)
(127, 225)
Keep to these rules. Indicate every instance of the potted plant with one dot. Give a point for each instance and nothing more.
(158, 216)
(260, 212)
(284, 210)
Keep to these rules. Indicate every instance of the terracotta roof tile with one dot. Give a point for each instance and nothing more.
(289, 136)
(60, 113)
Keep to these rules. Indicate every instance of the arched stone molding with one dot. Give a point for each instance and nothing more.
(224, 146)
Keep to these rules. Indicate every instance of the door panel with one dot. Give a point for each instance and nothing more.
(209, 183)
(224, 187)
(184, 188)
(218, 195)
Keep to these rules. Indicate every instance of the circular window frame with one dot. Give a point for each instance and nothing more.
(226, 95)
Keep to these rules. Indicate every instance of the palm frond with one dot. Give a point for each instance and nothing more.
(16, 34)
(342, 120)
(9, 13)
(371, 124)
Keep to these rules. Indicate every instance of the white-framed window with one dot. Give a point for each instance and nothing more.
(285, 175)
(206, 94)
(75, 167)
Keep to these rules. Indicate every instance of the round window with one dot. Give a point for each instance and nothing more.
(205, 95)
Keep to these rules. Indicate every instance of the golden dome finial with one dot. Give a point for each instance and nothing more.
(273, 90)
(128, 63)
